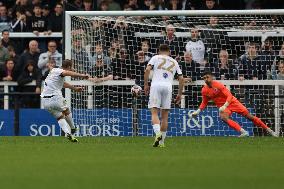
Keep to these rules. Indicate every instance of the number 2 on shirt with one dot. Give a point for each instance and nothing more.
(169, 68)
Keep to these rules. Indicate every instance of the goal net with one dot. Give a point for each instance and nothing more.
(241, 48)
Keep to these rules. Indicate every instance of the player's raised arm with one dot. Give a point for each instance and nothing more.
(69, 86)
(74, 74)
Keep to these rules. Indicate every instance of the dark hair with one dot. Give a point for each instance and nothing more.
(164, 48)
(30, 62)
(37, 5)
(207, 73)
(67, 63)
(10, 48)
(60, 4)
(52, 41)
(5, 31)
(9, 59)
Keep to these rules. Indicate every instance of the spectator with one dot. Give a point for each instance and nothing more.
(53, 54)
(210, 5)
(23, 5)
(268, 54)
(160, 5)
(73, 5)
(113, 5)
(103, 6)
(88, 5)
(196, 47)
(50, 64)
(122, 66)
(37, 23)
(7, 72)
(94, 53)
(191, 72)
(223, 69)
(280, 75)
(145, 55)
(174, 5)
(148, 5)
(171, 40)
(46, 11)
(189, 4)
(114, 49)
(4, 54)
(6, 40)
(102, 72)
(79, 53)
(132, 4)
(252, 65)
(277, 59)
(30, 74)
(213, 22)
(19, 23)
(190, 68)
(31, 54)
(55, 19)
(5, 21)
(13, 55)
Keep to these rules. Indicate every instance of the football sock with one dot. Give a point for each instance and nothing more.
(64, 126)
(259, 123)
(234, 125)
(70, 121)
(156, 128)
(164, 134)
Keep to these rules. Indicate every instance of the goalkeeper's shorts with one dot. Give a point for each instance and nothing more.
(236, 107)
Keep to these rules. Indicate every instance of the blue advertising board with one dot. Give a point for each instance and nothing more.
(104, 122)
(37, 122)
(206, 123)
(119, 122)
(109, 122)
(6, 123)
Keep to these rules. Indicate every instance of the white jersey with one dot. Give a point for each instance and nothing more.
(164, 69)
(53, 83)
(197, 50)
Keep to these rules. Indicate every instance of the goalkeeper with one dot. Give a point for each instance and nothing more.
(227, 104)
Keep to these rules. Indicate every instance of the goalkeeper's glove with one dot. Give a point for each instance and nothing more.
(194, 114)
(222, 108)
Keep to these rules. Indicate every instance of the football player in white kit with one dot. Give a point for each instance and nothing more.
(164, 69)
(53, 101)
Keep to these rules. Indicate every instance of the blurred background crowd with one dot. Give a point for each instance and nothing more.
(27, 59)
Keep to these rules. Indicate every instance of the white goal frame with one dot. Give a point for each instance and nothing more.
(236, 33)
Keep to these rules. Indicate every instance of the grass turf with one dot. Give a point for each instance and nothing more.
(109, 162)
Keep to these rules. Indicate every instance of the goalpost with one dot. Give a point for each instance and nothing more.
(115, 38)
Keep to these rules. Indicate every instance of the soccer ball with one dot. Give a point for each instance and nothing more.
(136, 90)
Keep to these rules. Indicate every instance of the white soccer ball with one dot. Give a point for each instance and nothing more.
(136, 90)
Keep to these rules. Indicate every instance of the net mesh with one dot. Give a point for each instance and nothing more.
(115, 52)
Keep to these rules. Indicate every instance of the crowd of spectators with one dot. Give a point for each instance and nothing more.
(105, 5)
(27, 59)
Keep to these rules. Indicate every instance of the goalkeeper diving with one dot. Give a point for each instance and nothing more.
(227, 104)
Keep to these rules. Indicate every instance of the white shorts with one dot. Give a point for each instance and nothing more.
(54, 105)
(160, 97)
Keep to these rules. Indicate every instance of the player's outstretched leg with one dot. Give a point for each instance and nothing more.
(156, 126)
(65, 127)
(69, 119)
(234, 125)
(260, 123)
(164, 127)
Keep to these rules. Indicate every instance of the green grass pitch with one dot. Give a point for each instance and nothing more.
(131, 163)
